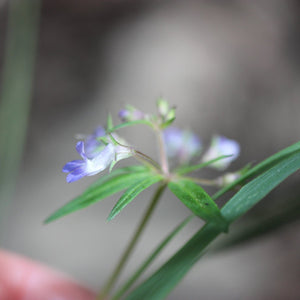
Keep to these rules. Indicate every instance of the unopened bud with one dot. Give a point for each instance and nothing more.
(163, 107)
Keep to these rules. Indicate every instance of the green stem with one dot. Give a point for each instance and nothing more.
(149, 260)
(116, 273)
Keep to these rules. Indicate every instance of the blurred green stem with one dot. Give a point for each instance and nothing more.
(116, 273)
(16, 92)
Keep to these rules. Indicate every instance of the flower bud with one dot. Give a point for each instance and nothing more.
(163, 107)
(131, 114)
(170, 115)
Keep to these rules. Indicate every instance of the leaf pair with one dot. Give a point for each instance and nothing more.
(132, 179)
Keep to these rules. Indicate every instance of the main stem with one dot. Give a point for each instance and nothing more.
(162, 152)
(116, 273)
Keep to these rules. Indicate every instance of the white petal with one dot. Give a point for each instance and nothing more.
(101, 161)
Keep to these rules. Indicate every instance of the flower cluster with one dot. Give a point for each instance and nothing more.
(103, 149)
(184, 145)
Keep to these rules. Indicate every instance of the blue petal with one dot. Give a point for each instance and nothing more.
(101, 161)
(173, 140)
(182, 144)
(99, 131)
(220, 145)
(71, 177)
(76, 174)
(71, 165)
(80, 149)
(228, 147)
(92, 145)
(124, 114)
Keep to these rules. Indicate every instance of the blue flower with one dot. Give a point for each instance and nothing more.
(88, 166)
(181, 144)
(96, 155)
(220, 145)
(93, 144)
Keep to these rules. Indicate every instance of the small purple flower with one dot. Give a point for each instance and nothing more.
(181, 144)
(93, 144)
(96, 156)
(88, 166)
(220, 145)
(124, 115)
(131, 114)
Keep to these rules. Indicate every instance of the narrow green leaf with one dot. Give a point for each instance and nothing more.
(188, 169)
(167, 123)
(260, 168)
(132, 192)
(263, 225)
(150, 259)
(116, 172)
(159, 285)
(110, 186)
(259, 187)
(197, 200)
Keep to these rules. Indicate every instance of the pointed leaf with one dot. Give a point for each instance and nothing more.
(167, 123)
(112, 185)
(197, 200)
(259, 187)
(132, 192)
(116, 172)
(260, 168)
(159, 285)
(188, 169)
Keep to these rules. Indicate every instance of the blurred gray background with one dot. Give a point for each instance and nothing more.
(230, 67)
